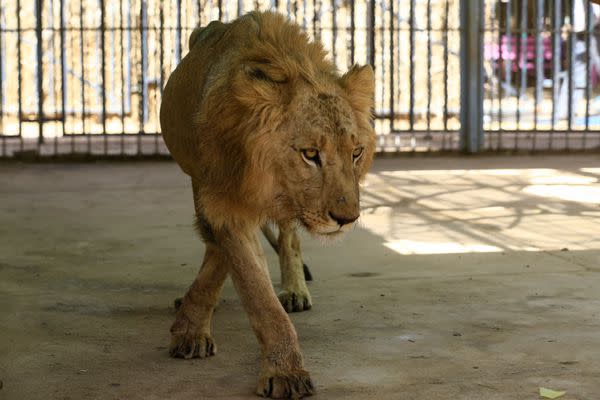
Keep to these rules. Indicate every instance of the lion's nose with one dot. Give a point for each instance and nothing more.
(342, 220)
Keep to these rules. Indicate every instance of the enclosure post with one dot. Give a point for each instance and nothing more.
(471, 76)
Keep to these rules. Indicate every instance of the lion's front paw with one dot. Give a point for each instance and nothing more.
(291, 386)
(187, 346)
(295, 301)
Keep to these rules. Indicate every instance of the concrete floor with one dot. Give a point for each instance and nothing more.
(468, 278)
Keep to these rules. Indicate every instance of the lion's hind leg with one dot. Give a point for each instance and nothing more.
(191, 332)
(274, 242)
(294, 295)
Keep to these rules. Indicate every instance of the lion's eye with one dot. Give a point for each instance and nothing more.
(356, 153)
(311, 156)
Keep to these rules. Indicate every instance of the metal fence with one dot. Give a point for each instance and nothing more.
(541, 69)
(86, 76)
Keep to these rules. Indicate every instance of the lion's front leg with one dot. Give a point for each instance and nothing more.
(283, 374)
(191, 331)
(294, 295)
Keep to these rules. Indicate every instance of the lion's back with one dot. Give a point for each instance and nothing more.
(184, 92)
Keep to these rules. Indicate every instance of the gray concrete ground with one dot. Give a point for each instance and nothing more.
(468, 278)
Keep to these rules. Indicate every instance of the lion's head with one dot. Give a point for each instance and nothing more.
(298, 135)
(330, 145)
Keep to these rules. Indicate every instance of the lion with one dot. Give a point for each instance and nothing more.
(268, 131)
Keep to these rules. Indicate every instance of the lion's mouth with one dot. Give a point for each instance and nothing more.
(326, 229)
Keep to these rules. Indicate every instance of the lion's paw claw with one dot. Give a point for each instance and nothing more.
(200, 346)
(295, 301)
(293, 386)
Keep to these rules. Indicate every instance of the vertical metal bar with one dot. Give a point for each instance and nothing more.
(509, 49)
(39, 70)
(333, 30)
(19, 74)
(429, 67)
(508, 65)
(161, 40)
(112, 56)
(161, 62)
(122, 70)
(72, 93)
(219, 4)
(178, 31)
(51, 91)
(446, 10)
(411, 111)
(500, 63)
(352, 30)
(240, 7)
(371, 33)
(199, 12)
(63, 67)
(524, 44)
(2, 133)
(522, 58)
(471, 82)
(128, 59)
(82, 81)
(391, 67)
(52, 95)
(495, 68)
(381, 30)
(142, 105)
(304, 13)
(103, 70)
(318, 18)
(522, 65)
(570, 65)
(556, 63)
(539, 63)
(315, 21)
(399, 70)
(588, 56)
(158, 86)
(145, 61)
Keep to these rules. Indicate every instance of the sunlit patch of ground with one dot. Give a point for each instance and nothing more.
(484, 210)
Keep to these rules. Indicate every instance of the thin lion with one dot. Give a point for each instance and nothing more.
(268, 131)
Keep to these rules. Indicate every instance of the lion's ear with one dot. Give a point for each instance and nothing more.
(359, 83)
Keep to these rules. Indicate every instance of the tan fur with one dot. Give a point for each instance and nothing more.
(236, 114)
